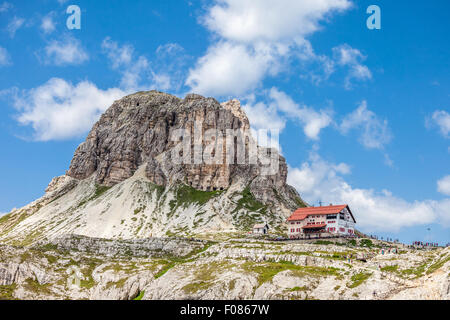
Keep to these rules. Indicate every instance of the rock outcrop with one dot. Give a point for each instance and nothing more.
(140, 130)
(232, 269)
(156, 165)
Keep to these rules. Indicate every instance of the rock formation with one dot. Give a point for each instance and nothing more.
(137, 130)
(135, 176)
(233, 269)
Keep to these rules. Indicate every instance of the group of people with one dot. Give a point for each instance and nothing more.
(425, 244)
(388, 250)
(381, 238)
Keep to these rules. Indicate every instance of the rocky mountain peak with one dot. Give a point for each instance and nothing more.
(158, 165)
(139, 129)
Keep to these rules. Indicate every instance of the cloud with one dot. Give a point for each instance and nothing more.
(133, 69)
(47, 24)
(14, 25)
(263, 116)
(375, 132)
(59, 110)
(318, 180)
(170, 67)
(67, 51)
(138, 73)
(5, 6)
(249, 21)
(5, 60)
(280, 108)
(312, 121)
(254, 39)
(229, 69)
(118, 55)
(440, 119)
(345, 55)
(443, 185)
(317, 68)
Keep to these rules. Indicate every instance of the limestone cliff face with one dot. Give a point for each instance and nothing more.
(126, 181)
(138, 129)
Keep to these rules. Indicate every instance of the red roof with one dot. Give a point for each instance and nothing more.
(302, 213)
(312, 226)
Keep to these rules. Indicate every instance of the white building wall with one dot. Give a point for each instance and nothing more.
(346, 224)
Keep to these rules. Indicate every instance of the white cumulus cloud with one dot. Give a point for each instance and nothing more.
(263, 116)
(375, 132)
(67, 51)
(441, 119)
(345, 55)
(138, 73)
(249, 21)
(60, 110)
(279, 108)
(229, 69)
(444, 185)
(311, 120)
(118, 55)
(318, 180)
(254, 39)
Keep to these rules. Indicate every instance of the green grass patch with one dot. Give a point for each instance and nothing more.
(417, 272)
(140, 209)
(358, 279)
(437, 265)
(7, 292)
(323, 242)
(169, 265)
(35, 287)
(366, 243)
(99, 190)
(185, 195)
(295, 289)
(249, 202)
(117, 284)
(140, 295)
(393, 268)
(255, 210)
(266, 271)
(205, 275)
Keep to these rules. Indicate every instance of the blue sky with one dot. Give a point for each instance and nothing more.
(364, 115)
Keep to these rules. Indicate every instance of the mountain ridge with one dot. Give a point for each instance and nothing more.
(124, 182)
